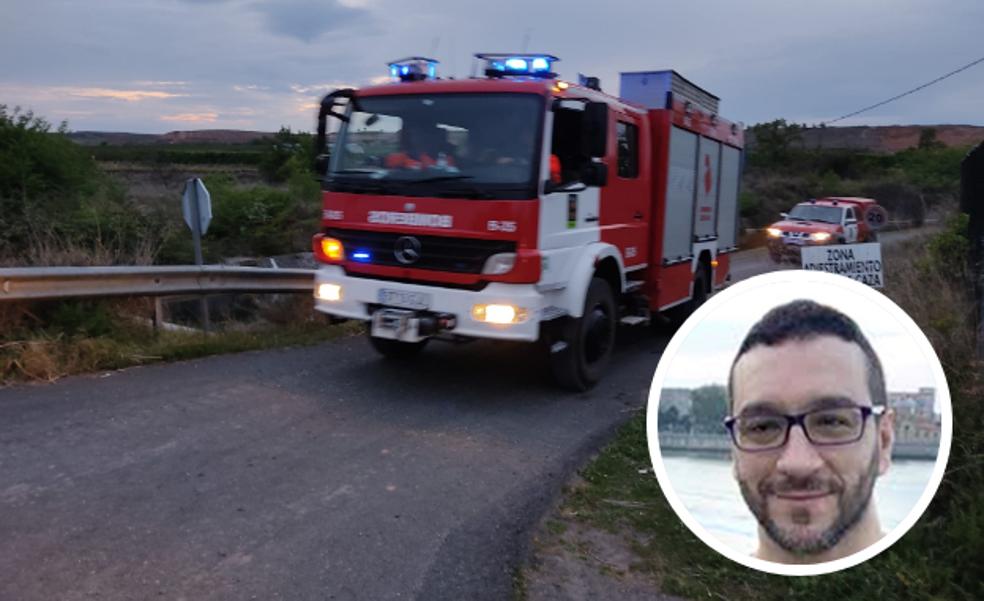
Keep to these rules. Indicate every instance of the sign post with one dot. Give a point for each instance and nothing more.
(861, 262)
(196, 205)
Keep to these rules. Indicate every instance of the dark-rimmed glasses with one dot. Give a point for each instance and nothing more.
(822, 427)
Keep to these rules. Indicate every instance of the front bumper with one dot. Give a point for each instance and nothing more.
(361, 296)
(782, 250)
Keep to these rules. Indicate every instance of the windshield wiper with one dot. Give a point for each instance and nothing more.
(439, 178)
(354, 171)
(372, 187)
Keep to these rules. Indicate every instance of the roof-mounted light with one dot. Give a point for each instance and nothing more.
(413, 68)
(518, 65)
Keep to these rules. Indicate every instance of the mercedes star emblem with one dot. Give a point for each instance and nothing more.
(407, 250)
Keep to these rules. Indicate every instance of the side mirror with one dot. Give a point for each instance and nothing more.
(784, 215)
(321, 165)
(595, 174)
(596, 129)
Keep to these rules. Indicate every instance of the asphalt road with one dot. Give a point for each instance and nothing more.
(317, 473)
(322, 473)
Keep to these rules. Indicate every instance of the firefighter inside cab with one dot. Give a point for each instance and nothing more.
(516, 206)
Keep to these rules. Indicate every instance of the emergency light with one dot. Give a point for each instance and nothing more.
(413, 68)
(518, 65)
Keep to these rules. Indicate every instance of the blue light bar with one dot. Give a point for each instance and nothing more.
(518, 65)
(413, 68)
(362, 255)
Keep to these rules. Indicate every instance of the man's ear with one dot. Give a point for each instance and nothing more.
(886, 440)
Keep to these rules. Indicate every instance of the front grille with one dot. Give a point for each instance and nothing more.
(437, 253)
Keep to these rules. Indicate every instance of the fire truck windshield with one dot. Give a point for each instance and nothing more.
(478, 145)
(811, 212)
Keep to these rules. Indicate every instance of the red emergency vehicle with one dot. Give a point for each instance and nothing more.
(518, 206)
(829, 220)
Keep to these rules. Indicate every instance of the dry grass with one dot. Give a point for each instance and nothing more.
(49, 340)
(47, 249)
(938, 298)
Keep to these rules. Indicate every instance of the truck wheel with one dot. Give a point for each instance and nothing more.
(700, 287)
(587, 341)
(678, 314)
(396, 349)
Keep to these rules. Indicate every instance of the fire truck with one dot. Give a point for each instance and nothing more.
(829, 220)
(514, 205)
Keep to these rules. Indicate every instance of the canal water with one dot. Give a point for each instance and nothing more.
(708, 490)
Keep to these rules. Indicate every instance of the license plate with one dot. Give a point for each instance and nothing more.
(404, 299)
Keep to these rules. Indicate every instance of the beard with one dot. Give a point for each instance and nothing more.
(798, 538)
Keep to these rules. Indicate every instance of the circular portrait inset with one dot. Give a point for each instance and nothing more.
(799, 422)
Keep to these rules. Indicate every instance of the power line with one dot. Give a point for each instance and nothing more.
(903, 94)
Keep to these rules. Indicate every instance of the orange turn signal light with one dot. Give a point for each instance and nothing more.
(332, 249)
(328, 249)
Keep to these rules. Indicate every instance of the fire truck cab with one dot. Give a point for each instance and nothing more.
(517, 206)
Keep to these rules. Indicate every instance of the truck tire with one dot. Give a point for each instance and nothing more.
(396, 349)
(587, 341)
(679, 314)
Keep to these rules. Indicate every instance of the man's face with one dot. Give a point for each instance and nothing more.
(807, 497)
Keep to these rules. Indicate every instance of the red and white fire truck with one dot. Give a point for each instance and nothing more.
(829, 220)
(518, 206)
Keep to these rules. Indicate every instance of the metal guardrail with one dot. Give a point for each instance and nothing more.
(40, 283)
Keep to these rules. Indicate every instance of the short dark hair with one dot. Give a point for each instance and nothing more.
(804, 320)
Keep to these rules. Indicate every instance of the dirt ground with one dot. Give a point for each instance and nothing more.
(574, 561)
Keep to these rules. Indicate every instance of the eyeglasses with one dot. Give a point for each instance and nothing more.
(823, 427)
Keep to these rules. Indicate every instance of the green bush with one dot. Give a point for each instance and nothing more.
(56, 207)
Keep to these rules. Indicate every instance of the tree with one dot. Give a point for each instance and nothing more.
(709, 408)
(668, 420)
(287, 154)
(774, 140)
(927, 139)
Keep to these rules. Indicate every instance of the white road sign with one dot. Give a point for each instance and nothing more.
(861, 262)
(195, 192)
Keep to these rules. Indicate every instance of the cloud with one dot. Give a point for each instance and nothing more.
(250, 88)
(161, 84)
(125, 95)
(306, 20)
(192, 117)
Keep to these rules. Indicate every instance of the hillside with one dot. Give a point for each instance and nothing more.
(204, 136)
(883, 139)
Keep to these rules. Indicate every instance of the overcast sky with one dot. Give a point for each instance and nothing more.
(160, 65)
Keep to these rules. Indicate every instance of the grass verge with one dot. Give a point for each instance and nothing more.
(77, 338)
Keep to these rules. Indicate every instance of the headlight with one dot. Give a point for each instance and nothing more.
(499, 263)
(773, 232)
(820, 236)
(499, 314)
(329, 292)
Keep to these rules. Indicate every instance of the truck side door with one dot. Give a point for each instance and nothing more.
(850, 223)
(625, 201)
